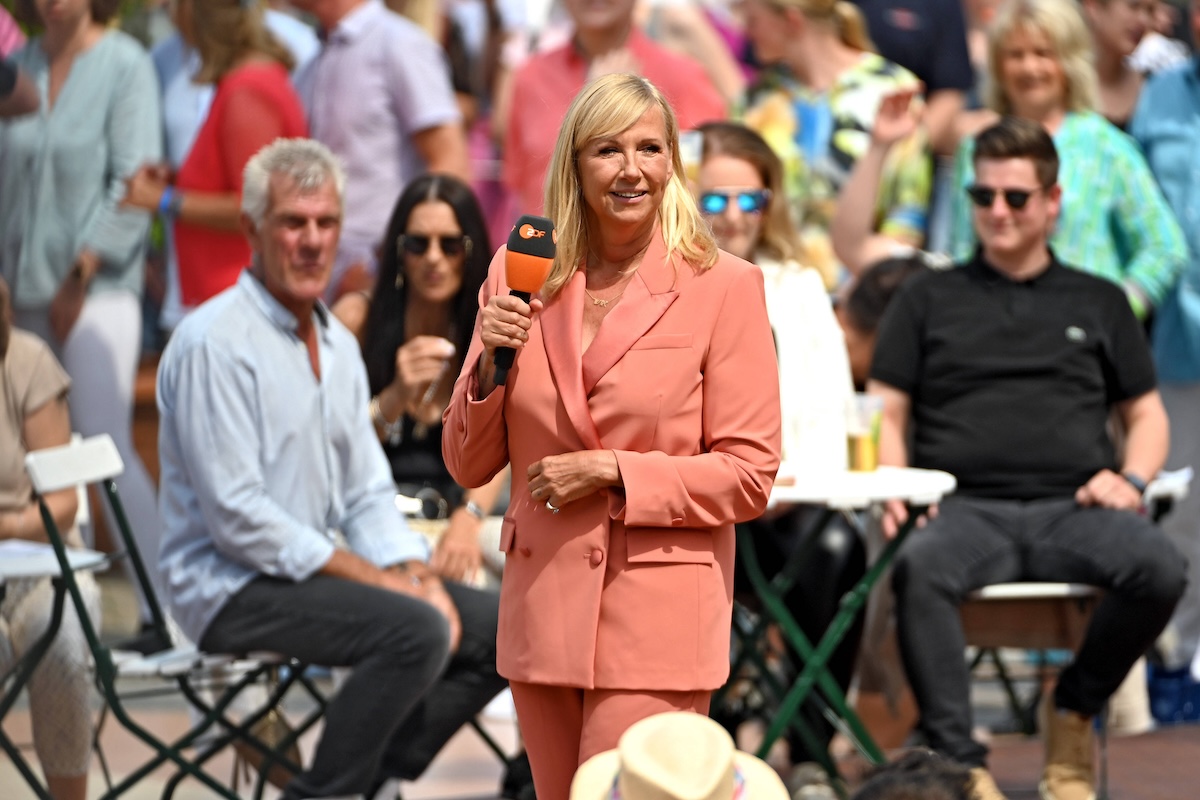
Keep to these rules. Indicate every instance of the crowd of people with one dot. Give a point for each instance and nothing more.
(297, 206)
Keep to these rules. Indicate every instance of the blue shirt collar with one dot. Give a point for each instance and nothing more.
(275, 311)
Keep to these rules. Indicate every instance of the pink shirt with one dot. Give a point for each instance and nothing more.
(547, 83)
(11, 37)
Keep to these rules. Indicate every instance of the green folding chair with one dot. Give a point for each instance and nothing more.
(182, 669)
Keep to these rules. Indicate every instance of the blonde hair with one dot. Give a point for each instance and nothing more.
(226, 30)
(605, 107)
(1064, 26)
(845, 17)
(427, 14)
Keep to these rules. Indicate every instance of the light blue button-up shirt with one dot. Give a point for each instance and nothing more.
(261, 461)
(1167, 126)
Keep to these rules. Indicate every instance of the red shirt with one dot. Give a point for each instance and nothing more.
(547, 83)
(253, 106)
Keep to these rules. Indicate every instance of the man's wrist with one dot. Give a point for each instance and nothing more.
(1135, 480)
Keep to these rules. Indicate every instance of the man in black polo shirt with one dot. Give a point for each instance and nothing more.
(1008, 367)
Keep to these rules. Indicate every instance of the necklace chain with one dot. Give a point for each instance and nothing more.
(596, 301)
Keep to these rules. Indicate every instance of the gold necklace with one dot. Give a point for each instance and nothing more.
(606, 303)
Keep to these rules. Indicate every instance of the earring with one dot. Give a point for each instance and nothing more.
(400, 278)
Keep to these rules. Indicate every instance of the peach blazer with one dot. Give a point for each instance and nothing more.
(628, 589)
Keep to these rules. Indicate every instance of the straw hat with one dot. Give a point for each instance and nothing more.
(676, 756)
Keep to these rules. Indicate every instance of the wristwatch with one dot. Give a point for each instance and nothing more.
(475, 510)
(1135, 481)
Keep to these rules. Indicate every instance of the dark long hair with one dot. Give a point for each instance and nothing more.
(385, 319)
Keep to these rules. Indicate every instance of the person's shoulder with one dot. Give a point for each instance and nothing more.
(1169, 84)
(396, 28)
(874, 68)
(26, 349)
(1079, 283)
(219, 323)
(123, 48)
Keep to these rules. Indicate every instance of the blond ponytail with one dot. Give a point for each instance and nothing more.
(851, 26)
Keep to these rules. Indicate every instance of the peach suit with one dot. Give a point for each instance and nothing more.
(626, 589)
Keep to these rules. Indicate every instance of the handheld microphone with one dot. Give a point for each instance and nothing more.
(526, 266)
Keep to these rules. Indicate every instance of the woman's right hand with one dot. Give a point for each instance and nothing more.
(897, 117)
(505, 322)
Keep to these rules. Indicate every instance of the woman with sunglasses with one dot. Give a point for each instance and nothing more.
(418, 329)
(739, 195)
(1114, 221)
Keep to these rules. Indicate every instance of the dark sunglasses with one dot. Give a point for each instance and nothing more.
(747, 202)
(984, 196)
(417, 245)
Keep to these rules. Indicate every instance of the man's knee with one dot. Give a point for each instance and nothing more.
(416, 635)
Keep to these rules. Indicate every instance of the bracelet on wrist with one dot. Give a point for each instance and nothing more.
(474, 509)
(393, 432)
(1136, 481)
(170, 203)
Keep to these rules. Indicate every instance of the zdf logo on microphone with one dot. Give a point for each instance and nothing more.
(527, 231)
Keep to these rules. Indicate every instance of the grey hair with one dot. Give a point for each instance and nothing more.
(307, 162)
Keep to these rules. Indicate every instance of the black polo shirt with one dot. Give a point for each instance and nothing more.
(926, 37)
(1011, 382)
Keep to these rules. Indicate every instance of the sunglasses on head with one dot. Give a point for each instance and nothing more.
(752, 202)
(417, 245)
(985, 196)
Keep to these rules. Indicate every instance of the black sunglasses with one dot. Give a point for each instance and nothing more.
(418, 245)
(984, 196)
(752, 202)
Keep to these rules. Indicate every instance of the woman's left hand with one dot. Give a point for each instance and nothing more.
(558, 480)
(144, 188)
(458, 555)
(67, 304)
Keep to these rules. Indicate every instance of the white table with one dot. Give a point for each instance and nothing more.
(845, 490)
(835, 491)
(20, 560)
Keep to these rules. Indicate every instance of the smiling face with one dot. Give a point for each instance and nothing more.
(1013, 236)
(623, 177)
(1031, 74)
(737, 231)
(296, 242)
(1119, 25)
(434, 276)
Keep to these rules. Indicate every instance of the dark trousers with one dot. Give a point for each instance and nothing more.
(832, 562)
(406, 694)
(974, 542)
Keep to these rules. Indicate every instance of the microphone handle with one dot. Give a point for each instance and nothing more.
(505, 355)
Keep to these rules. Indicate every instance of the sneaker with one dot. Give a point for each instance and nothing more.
(146, 641)
(1070, 747)
(983, 787)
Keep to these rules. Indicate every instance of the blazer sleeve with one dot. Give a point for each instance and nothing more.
(730, 480)
(474, 432)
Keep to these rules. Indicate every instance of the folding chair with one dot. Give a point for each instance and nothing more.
(181, 669)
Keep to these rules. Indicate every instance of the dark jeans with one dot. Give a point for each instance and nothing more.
(406, 694)
(832, 563)
(974, 542)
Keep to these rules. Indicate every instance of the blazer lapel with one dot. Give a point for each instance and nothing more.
(562, 324)
(647, 297)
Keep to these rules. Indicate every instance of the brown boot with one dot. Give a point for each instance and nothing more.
(1070, 752)
(983, 787)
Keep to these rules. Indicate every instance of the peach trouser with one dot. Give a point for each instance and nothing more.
(564, 726)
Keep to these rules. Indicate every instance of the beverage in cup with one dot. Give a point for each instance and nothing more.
(864, 416)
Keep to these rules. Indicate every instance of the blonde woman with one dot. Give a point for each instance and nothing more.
(1114, 221)
(816, 105)
(253, 106)
(641, 420)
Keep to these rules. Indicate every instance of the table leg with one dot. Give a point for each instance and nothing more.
(815, 672)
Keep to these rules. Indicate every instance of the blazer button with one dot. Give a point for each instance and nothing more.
(597, 557)
(525, 551)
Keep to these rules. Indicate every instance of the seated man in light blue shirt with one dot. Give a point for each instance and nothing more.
(267, 448)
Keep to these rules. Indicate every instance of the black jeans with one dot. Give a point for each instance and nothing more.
(974, 542)
(406, 694)
(832, 562)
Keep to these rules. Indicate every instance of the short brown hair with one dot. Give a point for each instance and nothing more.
(102, 11)
(1014, 137)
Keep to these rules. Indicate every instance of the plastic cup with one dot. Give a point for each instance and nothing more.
(864, 416)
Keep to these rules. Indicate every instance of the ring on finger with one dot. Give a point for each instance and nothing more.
(552, 508)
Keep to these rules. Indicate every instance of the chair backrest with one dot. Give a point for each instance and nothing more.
(87, 461)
